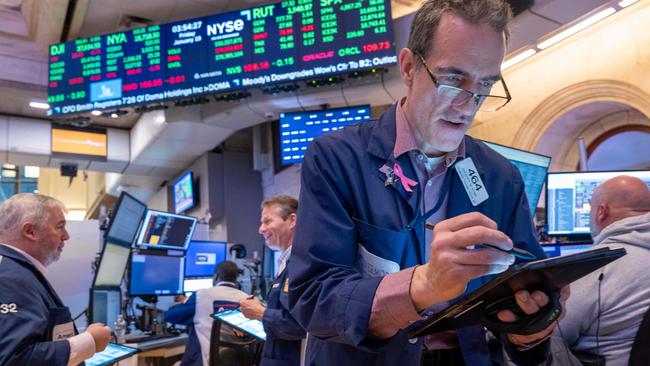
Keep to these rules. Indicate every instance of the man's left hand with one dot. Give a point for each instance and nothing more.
(530, 303)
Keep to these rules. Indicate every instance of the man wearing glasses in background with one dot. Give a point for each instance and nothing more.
(363, 266)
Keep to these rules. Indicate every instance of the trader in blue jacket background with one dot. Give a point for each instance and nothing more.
(35, 326)
(363, 267)
(284, 336)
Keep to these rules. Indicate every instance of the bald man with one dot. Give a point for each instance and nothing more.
(619, 294)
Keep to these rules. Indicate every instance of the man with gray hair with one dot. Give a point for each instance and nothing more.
(35, 326)
(607, 307)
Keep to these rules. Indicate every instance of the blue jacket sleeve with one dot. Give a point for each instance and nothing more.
(182, 313)
(281, 325)
(24, 324)
(327, 295)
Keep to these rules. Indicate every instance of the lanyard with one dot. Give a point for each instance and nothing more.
(420, 219)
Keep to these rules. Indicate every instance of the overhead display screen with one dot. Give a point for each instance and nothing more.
(298, 129)
(272, 44)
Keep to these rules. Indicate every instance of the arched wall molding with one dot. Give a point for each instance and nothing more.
(538, 122)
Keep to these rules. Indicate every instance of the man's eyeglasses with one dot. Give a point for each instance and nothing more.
(458, 96)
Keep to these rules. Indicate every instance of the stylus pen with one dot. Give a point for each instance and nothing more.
(519, 253)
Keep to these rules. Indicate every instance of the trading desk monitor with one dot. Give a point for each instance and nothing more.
(533, 168)
(106, 305)
(203, 257)
(166, 231)
(112, 264)
(194, 284)
(156, 275)
(184, 195)
(298, 129)
(126, 219)
(568, 198)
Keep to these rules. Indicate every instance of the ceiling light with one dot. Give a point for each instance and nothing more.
(32, 171)
(39, 105)
(96, 113)
(577, 28)
(114, 115)
(625, 3)
(517, 58)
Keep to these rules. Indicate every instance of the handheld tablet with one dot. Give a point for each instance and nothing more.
(236, 319)
(112, 353)
(548, 275)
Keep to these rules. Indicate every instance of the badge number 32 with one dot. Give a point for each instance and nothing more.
(8, 308)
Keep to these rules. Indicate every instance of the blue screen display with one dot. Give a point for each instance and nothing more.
(203, 257)
(533, 168)
(298, 129)
(184, 193)
(156, 275)
(270, 44)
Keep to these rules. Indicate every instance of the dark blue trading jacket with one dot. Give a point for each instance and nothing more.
(283, 333)
(343, 202)
(29, 311)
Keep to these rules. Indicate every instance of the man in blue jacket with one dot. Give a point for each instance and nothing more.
(35, 326)
(363, 267)
(284, 336)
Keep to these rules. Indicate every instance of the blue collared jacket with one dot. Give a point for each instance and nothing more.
(33, 320)
(344, 202)
(283, 334)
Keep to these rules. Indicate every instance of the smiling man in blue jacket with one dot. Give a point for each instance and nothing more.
(363, 267)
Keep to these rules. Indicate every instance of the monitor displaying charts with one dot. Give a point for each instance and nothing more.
(164, 230)
(568, 199)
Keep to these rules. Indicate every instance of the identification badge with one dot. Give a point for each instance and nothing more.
(472, 182)
(63, 331)
(286, 285)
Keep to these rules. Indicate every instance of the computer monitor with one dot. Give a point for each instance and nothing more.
(184, 195)
(105, 305)
(203, 257)
(112, 264)
(197, 283)
(156, 275)
(568, 197)
(125, 221)
(533, 168)
(165, 230)
(298, 129)
(556, 250)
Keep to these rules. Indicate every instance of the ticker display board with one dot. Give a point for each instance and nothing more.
(272, 44)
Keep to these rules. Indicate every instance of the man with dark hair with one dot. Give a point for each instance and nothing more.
(195, 313)
(36, 328)
(284, 336)
(364, 268)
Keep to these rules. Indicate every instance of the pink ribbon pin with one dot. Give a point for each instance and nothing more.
(407, 182)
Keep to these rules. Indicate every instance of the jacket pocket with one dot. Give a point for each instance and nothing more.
(380, 250)
(60, 324)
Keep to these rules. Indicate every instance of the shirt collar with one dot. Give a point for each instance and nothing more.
(35, 262)
(405, 140)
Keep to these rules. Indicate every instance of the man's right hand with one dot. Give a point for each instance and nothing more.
(452, 265)
(101, 334)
